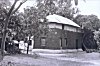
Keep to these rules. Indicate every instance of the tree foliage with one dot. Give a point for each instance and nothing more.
(60, 7)
(7, 13)
(97, 37)
(14, 23)
(88, 21)
(32, 16)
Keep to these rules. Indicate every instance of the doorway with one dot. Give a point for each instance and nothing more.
(76, 43)
(60, 43)
(0, 42)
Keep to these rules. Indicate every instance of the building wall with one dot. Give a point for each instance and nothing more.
(55, 25)
(69, 28)
(53, 39)
(66, 27)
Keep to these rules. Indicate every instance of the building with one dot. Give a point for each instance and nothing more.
(63, 34)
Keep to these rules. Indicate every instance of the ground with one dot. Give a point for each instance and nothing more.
(53, 59)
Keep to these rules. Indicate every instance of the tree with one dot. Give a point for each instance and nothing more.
(8, 15)
(97, 37)
(88, 21)
(3, 12)
(4, 3)
(31, 23)
(15, 27)
(60, 7)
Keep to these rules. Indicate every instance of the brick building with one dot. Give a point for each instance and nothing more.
(63, 34)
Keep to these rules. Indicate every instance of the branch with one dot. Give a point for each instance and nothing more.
(19, 6)
(23, 1)
(12, 7)
(5, 11)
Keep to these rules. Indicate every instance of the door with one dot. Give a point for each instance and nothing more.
(76, 43)
(60, 43)
(66, 42)
(0, 42)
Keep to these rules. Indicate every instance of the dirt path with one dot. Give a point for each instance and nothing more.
(28, 60)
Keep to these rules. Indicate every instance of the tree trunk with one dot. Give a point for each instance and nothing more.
(4, 37)
(6, 24)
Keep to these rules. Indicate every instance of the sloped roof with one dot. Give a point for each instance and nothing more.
(61, 20)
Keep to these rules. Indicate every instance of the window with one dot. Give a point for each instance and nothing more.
(43, 41)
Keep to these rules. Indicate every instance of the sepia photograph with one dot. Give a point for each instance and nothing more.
(49, 33)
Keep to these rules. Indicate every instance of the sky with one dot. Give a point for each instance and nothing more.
(90, 7)
(86, 8)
